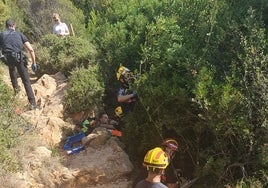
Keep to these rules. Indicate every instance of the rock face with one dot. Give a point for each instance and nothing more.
(103, 163)
(106, 164)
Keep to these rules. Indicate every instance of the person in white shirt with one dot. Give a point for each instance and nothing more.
(59, 28)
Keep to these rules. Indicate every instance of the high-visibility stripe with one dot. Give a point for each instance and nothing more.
(158, 154)
(155, 165)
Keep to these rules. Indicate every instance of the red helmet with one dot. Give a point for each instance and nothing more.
(171, 144)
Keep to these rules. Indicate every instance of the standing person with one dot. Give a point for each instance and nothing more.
(12, 43)
(59, 28)
(125, 96)
(155, 162)
(169, 146)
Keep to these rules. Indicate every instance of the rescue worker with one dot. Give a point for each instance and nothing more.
(169, 178)
(125, 96)
(118, 114)
(170, 146)
(12, 43)
(155, 162)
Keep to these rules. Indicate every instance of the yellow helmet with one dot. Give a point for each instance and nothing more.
(156, 158)
(121, 71)
(118, 111)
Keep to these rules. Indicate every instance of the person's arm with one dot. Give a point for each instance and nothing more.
(29, 47)
(54, 30)
(66, 30)
(113, 122)
(107, 126)
(123, 98)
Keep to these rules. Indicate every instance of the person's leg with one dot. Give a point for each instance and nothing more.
(26, 82)
(14, 78)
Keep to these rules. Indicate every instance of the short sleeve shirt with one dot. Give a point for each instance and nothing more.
(123, 91)
(147, 184)
(129, 104)
(12, 41)
(60, 28)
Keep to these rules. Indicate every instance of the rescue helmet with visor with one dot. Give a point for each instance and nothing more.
(170, 146)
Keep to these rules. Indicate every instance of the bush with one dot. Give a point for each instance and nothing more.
(85, 91)
(10, 126)
(56, 54)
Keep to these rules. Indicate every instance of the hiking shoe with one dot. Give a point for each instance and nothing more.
(17, 90)
(33, 107)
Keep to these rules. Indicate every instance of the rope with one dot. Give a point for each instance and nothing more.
(150, 118)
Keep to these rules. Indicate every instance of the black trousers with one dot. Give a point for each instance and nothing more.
(23, 72)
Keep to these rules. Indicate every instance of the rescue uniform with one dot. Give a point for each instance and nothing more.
(128, 105)
(168, 177)
(147, 184)
(12, 42)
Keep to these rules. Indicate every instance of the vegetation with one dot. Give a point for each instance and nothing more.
(212, 90)
(11, 127)
(203, 67)
(85, 90)
(56, 54)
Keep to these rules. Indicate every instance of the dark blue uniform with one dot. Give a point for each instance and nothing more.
(128, 105)
(12, 42)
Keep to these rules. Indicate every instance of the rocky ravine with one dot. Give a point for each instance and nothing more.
(103, 164)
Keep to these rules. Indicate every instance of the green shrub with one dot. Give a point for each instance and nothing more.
(5, 95)
(204, 81)
(10, 126)
(56, 54)
(86, 89)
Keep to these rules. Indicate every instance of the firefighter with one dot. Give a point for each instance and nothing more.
(125, 96)
(155, 162)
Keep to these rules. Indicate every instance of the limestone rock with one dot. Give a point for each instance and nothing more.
(103, 163)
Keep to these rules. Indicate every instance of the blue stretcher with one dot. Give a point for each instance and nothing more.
(71, 140)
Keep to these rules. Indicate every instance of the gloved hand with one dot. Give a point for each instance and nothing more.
(34, 67)
(134, 94)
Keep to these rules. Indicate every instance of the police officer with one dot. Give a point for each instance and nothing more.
(12, 43)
